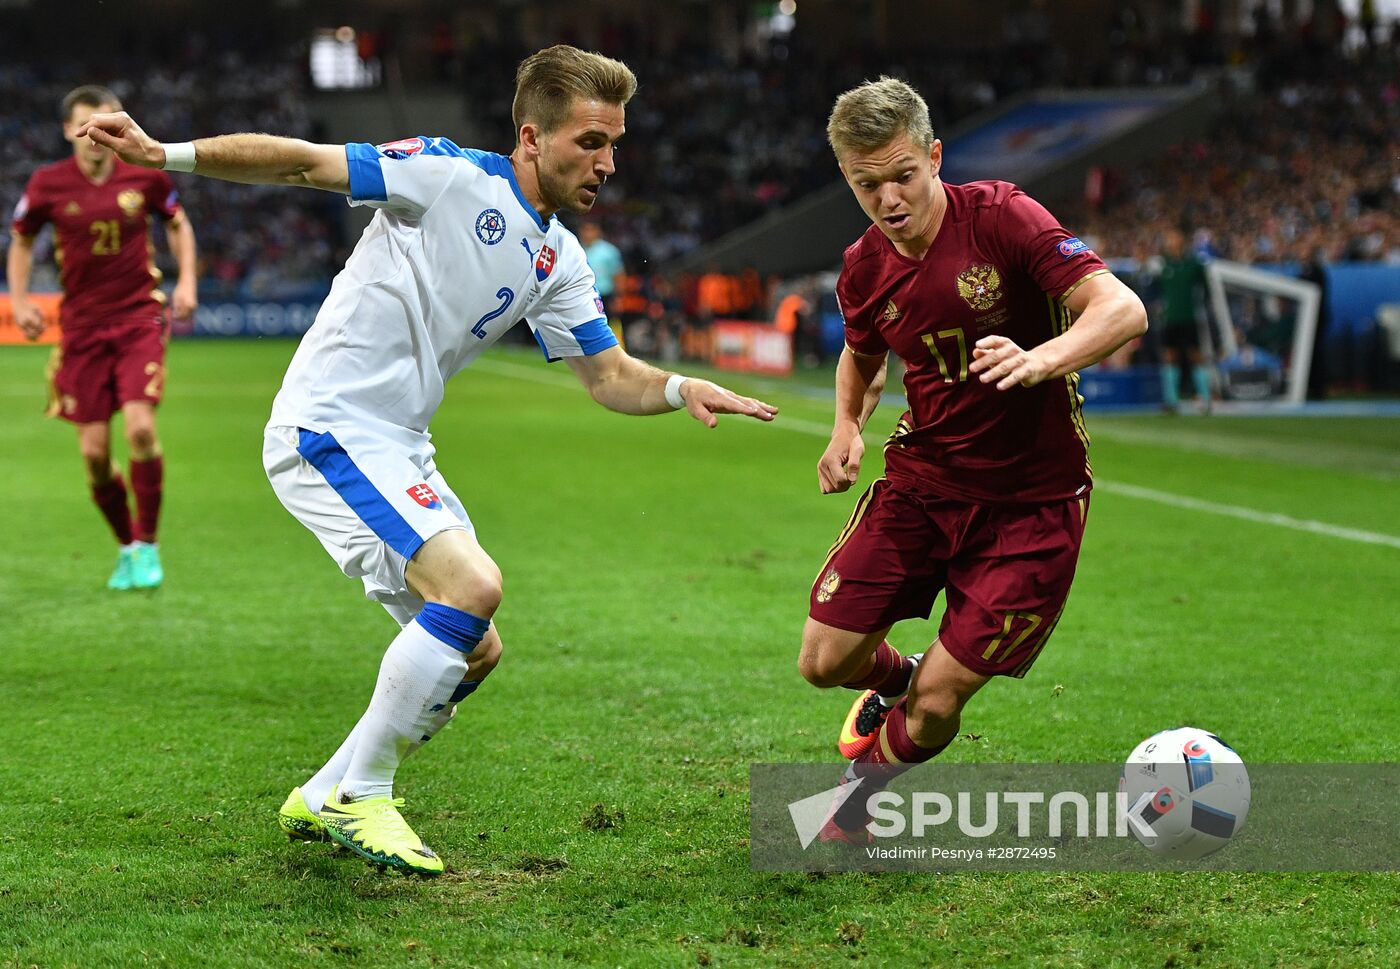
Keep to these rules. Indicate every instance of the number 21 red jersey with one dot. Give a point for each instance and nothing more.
(101, 239)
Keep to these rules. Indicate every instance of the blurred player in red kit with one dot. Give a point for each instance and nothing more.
(993, 307)
(111, 355)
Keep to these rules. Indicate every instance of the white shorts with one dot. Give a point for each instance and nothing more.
(371, 501)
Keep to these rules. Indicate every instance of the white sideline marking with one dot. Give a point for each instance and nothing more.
(1248, 514)
(1111, 487)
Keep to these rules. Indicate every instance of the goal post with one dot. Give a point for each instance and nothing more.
(1266, 324)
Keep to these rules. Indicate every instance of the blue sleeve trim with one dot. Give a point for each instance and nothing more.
(460, 630)
(595, 336)
(325, 454)
(366, 177)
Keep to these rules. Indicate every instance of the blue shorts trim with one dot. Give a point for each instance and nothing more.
(326, 455)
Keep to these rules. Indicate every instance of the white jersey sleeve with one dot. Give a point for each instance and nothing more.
(402, 177)
(569, 320)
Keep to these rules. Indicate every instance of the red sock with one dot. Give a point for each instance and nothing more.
(895, 747)
(888, 677)
(110, 498)
(146, 479)
(893, 754)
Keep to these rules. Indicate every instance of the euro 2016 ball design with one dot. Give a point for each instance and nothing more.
(1187, 793)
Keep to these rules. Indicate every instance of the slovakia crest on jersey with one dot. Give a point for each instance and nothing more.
(401, 149)
(425, 496)
(544, 264)
(491, 226)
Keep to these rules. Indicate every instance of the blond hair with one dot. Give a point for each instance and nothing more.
(549, 81)
(874, 114)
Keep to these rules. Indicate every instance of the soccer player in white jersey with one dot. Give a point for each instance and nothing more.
(464, 246)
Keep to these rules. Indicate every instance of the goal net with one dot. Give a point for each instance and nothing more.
(1264, 332)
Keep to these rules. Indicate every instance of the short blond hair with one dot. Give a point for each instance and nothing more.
(874, 114)
(549, 81)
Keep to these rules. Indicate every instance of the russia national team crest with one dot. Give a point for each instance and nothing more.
(491, 228)
(980, 286)
(544, 264)
(131, 202)
(401, 149)
(829, 584)
(425, 496)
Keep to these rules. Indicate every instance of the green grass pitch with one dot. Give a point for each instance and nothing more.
(656, 582)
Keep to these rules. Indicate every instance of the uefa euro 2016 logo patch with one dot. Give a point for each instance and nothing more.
(1072, 247)
(399, 150)
(491, 226)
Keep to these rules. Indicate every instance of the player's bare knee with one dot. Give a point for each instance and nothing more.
(141, 438)
(821, 667)
(930, 709)
(474, 588)
(484, 658)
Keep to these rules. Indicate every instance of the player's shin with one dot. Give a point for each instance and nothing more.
(110, 498)
(893, 753)
(423, 667)
(445, 714)
(146, 481)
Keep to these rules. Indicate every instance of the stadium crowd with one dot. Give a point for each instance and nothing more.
(1303, 168)
(727, 128)
(257, 240)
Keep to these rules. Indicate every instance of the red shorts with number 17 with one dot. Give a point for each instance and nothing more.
(1006, 569)
(96, 369)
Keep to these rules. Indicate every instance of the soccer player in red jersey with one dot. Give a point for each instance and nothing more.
(111, 355)
(993, 307)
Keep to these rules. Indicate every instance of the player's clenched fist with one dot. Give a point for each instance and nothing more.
(28, 318)
(124, 136)
(839, 466)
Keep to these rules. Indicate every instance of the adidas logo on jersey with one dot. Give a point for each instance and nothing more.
(891, 312)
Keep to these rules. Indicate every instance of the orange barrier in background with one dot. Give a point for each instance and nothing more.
(10, 334)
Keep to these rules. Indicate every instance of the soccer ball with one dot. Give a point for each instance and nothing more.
(1186, 793)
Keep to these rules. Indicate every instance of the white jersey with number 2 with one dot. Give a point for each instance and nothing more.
(453, 259)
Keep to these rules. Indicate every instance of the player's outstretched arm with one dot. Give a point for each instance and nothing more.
(629, 386)
(860, 379)
(251, 159)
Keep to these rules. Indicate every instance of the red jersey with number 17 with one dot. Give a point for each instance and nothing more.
(102, 242)
(1000, 264)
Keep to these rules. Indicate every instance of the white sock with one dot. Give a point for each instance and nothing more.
(316, 790)
(416, 681)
